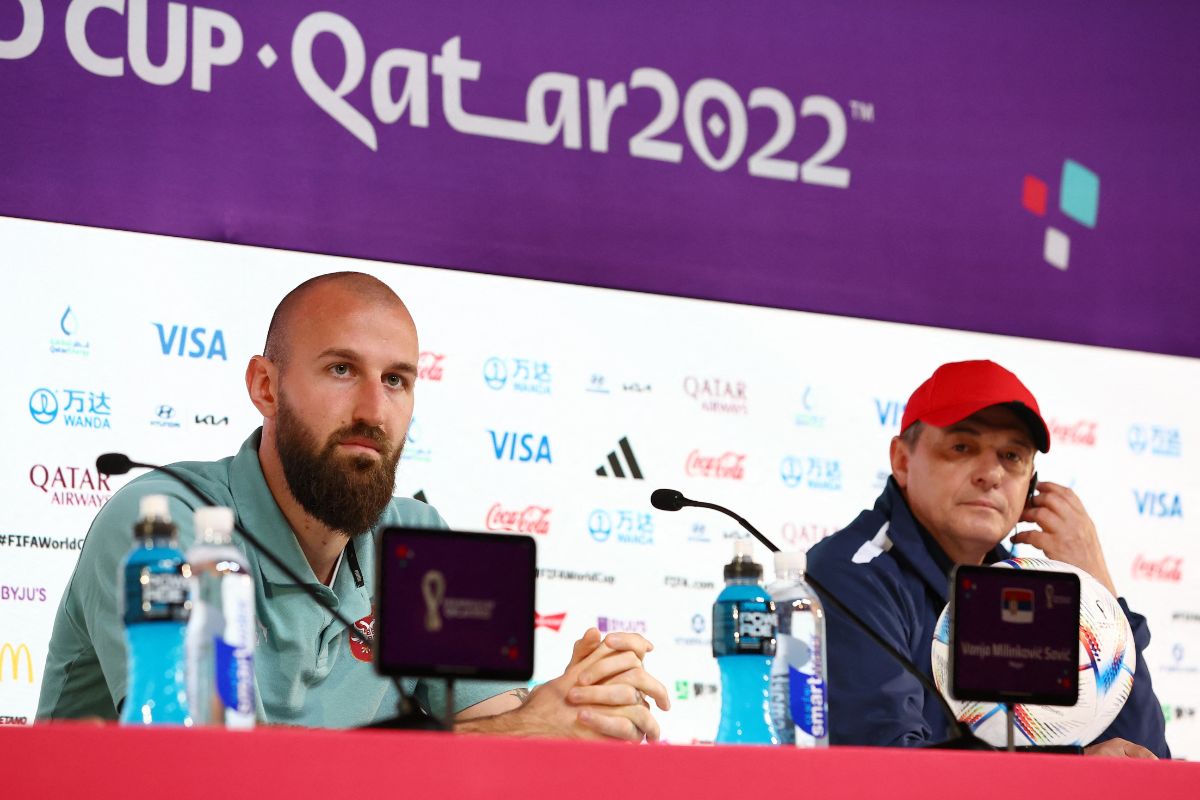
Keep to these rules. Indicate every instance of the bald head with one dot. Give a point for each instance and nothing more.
(306, 300)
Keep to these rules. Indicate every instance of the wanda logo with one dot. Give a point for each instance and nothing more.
(1167, 568)
(429, 366)
(531, 519)
(1081, 433)
(728, 465)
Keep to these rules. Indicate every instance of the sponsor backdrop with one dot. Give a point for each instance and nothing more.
(1026, 170)
(555, 410)
(843, 156)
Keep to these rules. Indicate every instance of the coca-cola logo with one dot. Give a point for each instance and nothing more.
(718, 395)
(728, 465)
(429, 366)
(1081, 433)
(530, 519)
(1166, 568)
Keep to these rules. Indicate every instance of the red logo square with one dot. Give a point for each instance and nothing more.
(1033, 195)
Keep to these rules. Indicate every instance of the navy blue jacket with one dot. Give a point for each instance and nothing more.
(881, 567)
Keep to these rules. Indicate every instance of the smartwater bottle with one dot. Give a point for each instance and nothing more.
(154, 591)
(220, 636)
(744, 645)
(799, 708)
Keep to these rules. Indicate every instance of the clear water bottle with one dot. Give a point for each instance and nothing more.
(154, 593)
(220, 636)
(799, 708)
(744, 645)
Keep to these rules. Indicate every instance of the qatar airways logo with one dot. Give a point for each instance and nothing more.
(803, 535)
(1081, 433)
(71, 486)
(530, 519)
(728, 465)
(717, 395)
(429, 366)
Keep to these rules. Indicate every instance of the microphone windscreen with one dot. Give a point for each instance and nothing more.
(667, 499)
(113, 464)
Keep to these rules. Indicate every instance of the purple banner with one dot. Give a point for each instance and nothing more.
(1023, 168)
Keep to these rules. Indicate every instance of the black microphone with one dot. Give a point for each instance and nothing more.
(119, 464)
(962, 738)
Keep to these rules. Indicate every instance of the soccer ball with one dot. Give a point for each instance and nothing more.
(1106, 664)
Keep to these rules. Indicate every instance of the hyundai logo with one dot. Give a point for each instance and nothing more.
(495, 373)
(43, 406)
(165, 412)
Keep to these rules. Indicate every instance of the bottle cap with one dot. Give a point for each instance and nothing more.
(743, 565)
(790, 561)
(154, 506)
(214, 524)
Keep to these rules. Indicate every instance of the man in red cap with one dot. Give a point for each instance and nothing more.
(962, 477)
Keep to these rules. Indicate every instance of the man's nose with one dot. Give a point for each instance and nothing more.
(989, 471)
(370, 403)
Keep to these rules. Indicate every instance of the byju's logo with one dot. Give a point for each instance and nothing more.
(69, 343)
(717, 395)
(615, 468)
(811, 471)
(429, 366)
(179, 340)
(889, 412)
(1078, 199)
(77, 408)
(165, 417)
(519, 374)
(523, 447)
(630, 527)
(1156, 440)
(1158, 504)
(22, 594)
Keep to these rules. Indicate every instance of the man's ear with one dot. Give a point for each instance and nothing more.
(900, 455)
(262, 384)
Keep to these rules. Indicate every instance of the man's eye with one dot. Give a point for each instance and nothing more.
(959, 448)
(394, 381)
(340, 369)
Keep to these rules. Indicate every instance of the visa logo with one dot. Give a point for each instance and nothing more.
(513, 446)
(889, 413)
(202, 345)
(1158, 504)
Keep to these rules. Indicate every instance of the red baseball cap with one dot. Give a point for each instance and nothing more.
(957, 390)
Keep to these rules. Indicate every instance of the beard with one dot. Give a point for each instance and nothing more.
(348, 494)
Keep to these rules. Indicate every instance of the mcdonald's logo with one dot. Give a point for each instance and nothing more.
(11, 655)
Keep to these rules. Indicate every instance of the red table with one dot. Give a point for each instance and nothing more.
(97, 762)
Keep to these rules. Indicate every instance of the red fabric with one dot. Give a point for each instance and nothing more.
(99, 762)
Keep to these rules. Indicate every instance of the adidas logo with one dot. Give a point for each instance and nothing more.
(614, 463)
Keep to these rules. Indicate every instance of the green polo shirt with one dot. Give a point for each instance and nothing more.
(307, 669)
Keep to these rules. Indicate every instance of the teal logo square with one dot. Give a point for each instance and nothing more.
(1079, 198)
